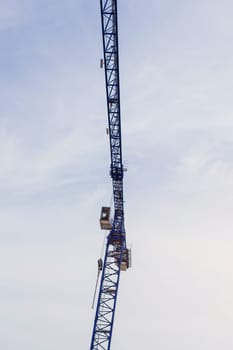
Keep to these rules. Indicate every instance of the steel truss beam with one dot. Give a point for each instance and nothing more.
(116, 242)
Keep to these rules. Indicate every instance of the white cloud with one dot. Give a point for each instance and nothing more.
(54, 156)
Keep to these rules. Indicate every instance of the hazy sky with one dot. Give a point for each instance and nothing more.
(176, 93)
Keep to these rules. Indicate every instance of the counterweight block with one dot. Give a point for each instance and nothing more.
(126, 257)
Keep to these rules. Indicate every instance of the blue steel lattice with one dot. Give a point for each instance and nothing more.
(116, 240)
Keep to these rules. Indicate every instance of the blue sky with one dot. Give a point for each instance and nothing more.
(176, 94)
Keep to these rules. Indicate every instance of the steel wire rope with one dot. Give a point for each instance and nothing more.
(100, 261)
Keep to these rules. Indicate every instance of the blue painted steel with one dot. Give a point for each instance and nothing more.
(116, 240)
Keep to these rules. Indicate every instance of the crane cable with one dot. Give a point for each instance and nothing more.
(100, 268)
(100, 261)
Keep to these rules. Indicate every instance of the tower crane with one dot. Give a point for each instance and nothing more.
(117, 256)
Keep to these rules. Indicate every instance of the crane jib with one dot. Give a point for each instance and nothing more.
(111, 64)
(117, 256)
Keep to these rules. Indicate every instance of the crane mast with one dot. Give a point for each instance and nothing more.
(117, 256)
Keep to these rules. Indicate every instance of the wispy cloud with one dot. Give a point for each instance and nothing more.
(176, 87)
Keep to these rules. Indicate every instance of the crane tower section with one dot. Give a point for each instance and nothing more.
(117, 256)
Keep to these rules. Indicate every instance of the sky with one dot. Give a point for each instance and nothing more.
(176, 77)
